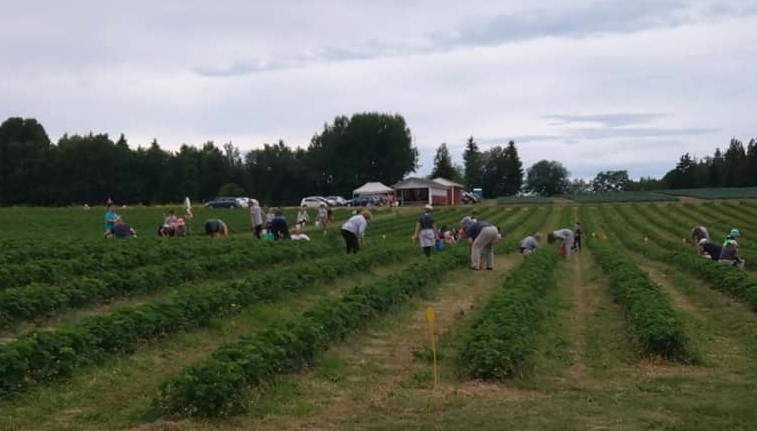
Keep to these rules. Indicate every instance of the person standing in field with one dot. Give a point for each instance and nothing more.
(302, 216)
(529, 244)
(110, 218)
(216, 227)
(425, 229)
(482, 236)
(353, 230)
(256, 217)
(566, 237)
(323, 217)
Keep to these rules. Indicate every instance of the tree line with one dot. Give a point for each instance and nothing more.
(345, 154)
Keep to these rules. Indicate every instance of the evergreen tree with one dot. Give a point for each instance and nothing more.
(443, 166)
(473, 164)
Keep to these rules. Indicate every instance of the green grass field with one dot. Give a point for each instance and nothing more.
(635, 332)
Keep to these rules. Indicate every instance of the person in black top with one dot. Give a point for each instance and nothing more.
(216, 227)
(709, 249)
(279, 227)
(425, 229)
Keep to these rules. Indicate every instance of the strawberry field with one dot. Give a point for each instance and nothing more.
(634, 332)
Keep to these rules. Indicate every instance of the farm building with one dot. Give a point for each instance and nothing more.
(454, 190)
(420, 191)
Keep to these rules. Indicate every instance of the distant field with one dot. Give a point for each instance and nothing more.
(635, 332)
(715, 193)
(524, 200)
(619, 197)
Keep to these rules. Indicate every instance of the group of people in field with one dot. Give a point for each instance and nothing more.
(726, 252)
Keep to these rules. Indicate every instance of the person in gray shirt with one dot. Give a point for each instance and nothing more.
(530, 244)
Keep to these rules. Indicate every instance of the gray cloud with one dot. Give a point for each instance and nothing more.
(580, 20)
(608, 120)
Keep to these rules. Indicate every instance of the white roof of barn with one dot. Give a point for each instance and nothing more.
(372, 188)
(447, 183)
(418, 183)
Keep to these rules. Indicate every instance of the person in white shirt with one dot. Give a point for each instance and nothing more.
(353, 230)
(323, 217)
(564, 235)
(302, 216)
(256, 216)
(297, 234)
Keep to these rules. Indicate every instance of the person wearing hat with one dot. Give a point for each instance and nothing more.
(709, 249)
(425, 229)
(353, 230)
(482, 236)
(730, 253)
(256, 217)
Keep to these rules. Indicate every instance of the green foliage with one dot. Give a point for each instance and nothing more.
(35, 300)
(443, 166)
(503, 334)
(215, 387)
(503, 171)
(473, 164)
(716, 193)
(610, 181)
(619, 197)
(231, 189)
(365, 147)
(653, 321)
(41, 356)
(547, 178)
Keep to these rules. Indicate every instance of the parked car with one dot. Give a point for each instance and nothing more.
(336, 201)
(224, 202)
(361, 201)
(470, 198)
(313, 201)
(244, 202)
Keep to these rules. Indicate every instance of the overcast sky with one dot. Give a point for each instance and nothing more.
(597, 85)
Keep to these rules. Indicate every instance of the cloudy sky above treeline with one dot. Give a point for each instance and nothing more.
(597, 85)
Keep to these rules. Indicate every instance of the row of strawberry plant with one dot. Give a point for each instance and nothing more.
(25, 303)
(42, 356)
(502, 336)
(724, 278)
(51, 271)
(216, 386)
(654, 323)
(675, 220)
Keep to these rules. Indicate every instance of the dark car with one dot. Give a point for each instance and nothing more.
(224, 203)
(361, 201)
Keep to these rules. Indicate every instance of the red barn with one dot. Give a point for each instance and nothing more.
(454, 190)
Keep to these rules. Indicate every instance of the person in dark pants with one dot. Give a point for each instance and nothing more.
(216, 227)
(578, 233)
(425, 229)
(279, 227)
(353, 230)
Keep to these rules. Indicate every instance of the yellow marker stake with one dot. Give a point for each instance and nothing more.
(430, 319)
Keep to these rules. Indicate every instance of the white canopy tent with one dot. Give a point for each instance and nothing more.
(372, 188)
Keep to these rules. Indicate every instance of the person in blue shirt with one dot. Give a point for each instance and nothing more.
(110, 218)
